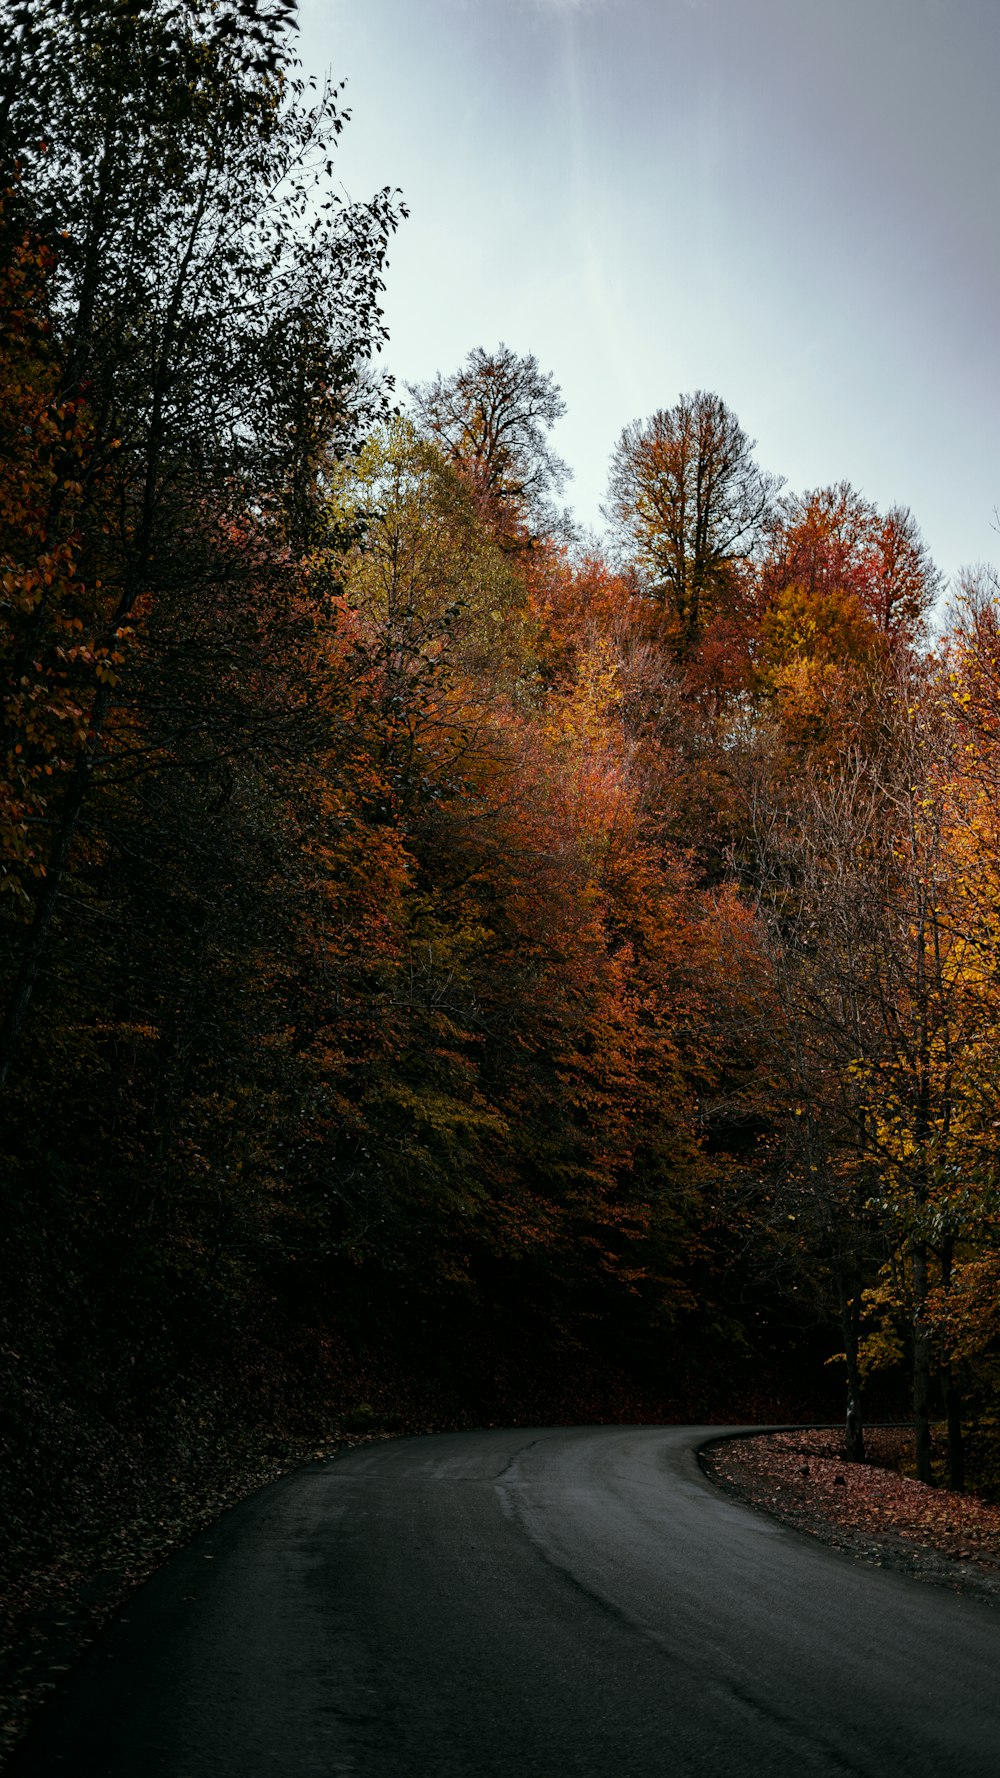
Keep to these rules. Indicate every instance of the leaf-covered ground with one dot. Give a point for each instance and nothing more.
(870, 1510)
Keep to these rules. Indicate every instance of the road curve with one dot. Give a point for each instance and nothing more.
(569, 1603)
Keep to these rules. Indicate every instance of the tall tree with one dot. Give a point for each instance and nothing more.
(211, 302)
(492, 418)
(691, 505)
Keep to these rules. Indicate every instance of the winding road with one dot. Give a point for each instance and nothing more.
(568, 1603)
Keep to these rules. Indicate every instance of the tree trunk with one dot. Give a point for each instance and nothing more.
(950, 1391)
(854, 1434)
(953, 1416)
(921, 1366)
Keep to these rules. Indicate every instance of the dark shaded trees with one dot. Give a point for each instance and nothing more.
(409, 948)
(206, 320)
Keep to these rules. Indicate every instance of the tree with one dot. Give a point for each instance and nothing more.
(882, 967)
(492, 419)
(821, 668)
(814, 868)
(44, 598)
(834, 543)
(690, 503)
(427, 574)
(210, 304)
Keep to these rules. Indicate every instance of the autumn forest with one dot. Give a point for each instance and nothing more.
(453, 969)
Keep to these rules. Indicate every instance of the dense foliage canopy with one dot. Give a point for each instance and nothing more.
(430, 951)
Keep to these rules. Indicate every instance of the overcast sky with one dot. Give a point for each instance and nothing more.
(793, 203)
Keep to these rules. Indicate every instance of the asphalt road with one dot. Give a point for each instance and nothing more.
(567, 1603)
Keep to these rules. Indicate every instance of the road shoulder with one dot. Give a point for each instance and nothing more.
(868, 1510)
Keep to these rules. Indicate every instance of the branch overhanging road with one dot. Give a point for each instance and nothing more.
(574, 1603)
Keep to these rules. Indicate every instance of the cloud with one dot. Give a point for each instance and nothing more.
(568, 5)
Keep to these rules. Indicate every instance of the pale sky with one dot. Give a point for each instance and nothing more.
(793, 203)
